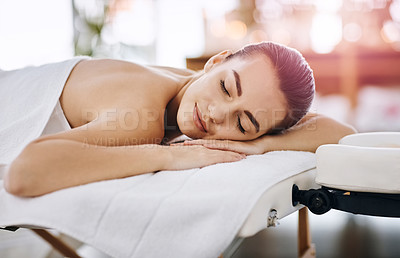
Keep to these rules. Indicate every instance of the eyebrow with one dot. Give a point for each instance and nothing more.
(238, 86)
(253, 120)
(239, 93)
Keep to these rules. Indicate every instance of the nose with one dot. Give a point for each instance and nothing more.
(216, 113)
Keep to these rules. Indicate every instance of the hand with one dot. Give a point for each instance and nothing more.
(186, 157)
(244, 147)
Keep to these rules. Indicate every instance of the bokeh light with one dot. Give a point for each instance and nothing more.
(236, 29)
(217, 28)
(394, 10)
(326, 32)
(389, 32)
(352, 32)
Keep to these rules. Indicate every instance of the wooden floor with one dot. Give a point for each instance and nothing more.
(335, 234)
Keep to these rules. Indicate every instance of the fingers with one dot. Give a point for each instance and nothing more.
(185, 157)
(214, 144)
(222, 156)
(197, 142)
(245, 147)
(227, 145)
(221, 147)
(191, 142)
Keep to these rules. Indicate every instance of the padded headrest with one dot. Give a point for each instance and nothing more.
(364, 162)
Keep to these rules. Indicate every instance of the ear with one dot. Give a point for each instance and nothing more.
(218, 58)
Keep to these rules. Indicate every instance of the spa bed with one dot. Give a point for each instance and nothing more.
(228, 201)
(221, 207)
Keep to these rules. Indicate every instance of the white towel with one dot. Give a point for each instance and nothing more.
(191, 213)
(27, 99)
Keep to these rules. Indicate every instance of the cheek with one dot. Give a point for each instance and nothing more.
(224, 135)
(227, 132)
(184, 116)
(230, 131)
(204, 86)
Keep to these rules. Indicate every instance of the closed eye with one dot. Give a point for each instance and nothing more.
(223, 88)
(239, 125)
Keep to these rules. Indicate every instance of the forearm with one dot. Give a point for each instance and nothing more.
(51, 165)
(308, 135)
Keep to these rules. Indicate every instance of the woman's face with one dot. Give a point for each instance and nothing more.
(238, 99)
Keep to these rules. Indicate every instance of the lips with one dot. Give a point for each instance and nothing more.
(198, 122)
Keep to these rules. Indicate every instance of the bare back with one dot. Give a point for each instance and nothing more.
(129, 100)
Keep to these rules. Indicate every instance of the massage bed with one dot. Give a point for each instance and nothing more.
(351, 171)
(219, 208)
(193, 213)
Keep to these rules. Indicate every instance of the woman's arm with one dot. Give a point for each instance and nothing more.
(311, 132)
(46, 166)
(69, 159)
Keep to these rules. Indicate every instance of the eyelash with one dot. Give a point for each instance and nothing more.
(222, 84)
(239, 125)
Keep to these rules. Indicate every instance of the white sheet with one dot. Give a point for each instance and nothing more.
(192, 213)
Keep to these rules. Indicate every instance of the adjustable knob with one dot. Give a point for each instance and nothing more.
(318, 201)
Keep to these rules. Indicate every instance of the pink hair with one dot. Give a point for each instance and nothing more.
(296, 79)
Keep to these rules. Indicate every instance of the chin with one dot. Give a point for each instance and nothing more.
(192, 134)
(186, 131)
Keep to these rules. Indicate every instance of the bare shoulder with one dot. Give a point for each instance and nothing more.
(116, 100)
(98, 85)
(179, 71)
(310, 115)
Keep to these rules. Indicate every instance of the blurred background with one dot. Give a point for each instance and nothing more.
(353, 46)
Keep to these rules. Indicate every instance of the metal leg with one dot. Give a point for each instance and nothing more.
(306, 249)
(59, 245)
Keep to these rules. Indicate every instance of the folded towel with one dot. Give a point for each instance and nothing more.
(191, 213)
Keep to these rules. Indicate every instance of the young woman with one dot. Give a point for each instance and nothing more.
(121, 113)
